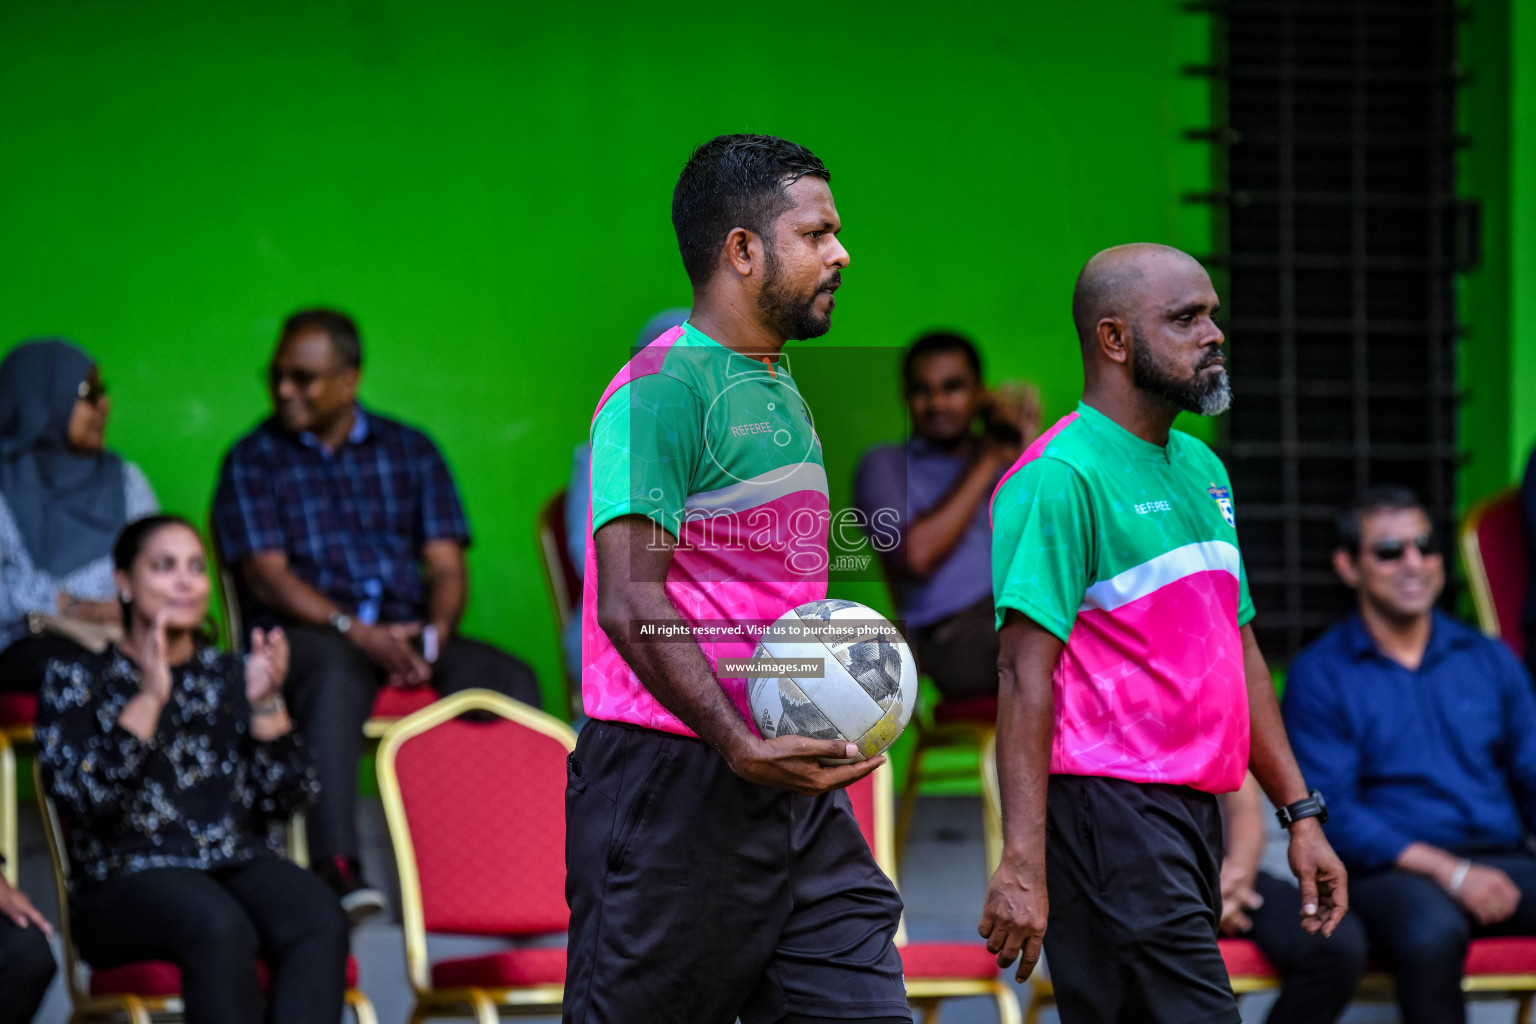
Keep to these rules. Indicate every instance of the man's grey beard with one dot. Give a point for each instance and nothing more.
(1150, 373)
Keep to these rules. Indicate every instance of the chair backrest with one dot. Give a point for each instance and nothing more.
(229, 591)
(58, 859)
(476, 813)
(1493, 549)
(559, 572)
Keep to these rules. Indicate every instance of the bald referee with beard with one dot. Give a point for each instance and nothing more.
(1132, 690)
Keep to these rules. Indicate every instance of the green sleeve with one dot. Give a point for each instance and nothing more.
(646, 441)
(1043, 552)
(1245, 611)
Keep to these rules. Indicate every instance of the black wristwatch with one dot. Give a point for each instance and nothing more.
(1314, 806)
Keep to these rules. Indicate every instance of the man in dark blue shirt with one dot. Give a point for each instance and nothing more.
(345, 527)
(1422, 734)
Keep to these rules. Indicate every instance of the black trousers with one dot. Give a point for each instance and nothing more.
(1418, 931)
(700, 898)
(331, 689)
(1320, 975)
(960, 652)
(1133, 871)
(214, 925)
(26, 969)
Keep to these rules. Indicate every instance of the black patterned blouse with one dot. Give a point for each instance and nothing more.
(201, 793)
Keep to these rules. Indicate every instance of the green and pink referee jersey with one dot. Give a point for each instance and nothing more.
(717, 449)
(1127, 552)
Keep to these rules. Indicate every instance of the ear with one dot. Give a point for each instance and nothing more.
(120, 581)
(1345, 566)
(349, 379)
(743, 251)
(1113, 334)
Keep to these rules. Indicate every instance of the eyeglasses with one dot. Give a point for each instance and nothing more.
(92, 392)
(1393, 548)
(302, 379)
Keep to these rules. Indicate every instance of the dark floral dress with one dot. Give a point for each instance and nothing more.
(201, 793)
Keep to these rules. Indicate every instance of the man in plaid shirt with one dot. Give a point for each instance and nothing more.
(346, 529)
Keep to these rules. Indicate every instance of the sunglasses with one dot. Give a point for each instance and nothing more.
(1393, 548)
(92, 393)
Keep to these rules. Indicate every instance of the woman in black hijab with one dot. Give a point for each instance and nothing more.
(63, 499)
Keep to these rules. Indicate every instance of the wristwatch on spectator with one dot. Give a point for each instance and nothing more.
(341, 622)
(1314, 806)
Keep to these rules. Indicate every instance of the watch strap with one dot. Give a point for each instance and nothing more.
(1313, 806)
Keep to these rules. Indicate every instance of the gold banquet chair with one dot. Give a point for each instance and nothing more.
(146, 992)
(477, 854)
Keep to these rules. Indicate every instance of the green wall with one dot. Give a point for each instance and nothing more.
(1498, 299)
(485, 186)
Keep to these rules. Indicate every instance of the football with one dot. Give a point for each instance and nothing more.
(849, 675)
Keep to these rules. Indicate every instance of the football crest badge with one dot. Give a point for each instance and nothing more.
(1223, 498)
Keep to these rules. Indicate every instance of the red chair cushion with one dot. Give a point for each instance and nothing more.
(510, 969)
(976, 709)
(159, 978)
(1502, 543)
(1515, 955)
(399, 701)
(17, 708)
(930, 960)
(1243, 959)
(485, 803)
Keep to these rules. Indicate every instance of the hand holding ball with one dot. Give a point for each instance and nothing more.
(864, 692)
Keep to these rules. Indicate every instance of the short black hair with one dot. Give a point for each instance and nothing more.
(1350, 524)
(336, 325)
(935, 342)
(735, 181)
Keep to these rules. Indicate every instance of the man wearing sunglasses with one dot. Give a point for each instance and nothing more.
(1422, 732)
(345, 527)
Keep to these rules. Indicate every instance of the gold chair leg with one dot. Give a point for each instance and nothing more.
(909, 796)
(485, 1010)
(418, 1013)
(1007, 1003)
(929, 1008)
(1523, 1011)
(362, 1008)
(137, 1013)
(1037, 1003)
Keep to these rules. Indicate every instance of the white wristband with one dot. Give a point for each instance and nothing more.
(1458, 876)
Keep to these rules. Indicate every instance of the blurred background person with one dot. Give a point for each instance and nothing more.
(169, 762)
(933, 490)
(578, 499)
(346, 528)
(26, 960)
(63, 499)
(1421, 731)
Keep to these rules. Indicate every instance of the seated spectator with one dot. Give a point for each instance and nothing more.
(1421, 733)
(330, 513)
(933, 492)
(63, 498)
(26, 961)
(1320, 974)
(169, 761)
(1528, 500)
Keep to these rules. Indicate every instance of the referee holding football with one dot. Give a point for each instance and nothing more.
(1132, 690)
(713, 874)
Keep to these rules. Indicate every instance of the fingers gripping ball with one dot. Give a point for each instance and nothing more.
(849, 675)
